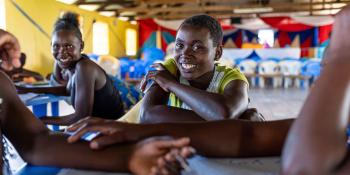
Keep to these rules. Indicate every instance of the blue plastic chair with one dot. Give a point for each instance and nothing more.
(130, 94)
(125, 64)
(311, 69)
(239, 60)
(255, 58)
(152, 54)
(273, 59)
(139, 69)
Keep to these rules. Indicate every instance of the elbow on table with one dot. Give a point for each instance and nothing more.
(223, 113)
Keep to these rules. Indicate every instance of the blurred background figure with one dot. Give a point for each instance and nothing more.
(23, 75)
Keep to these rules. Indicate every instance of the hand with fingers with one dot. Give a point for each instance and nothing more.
(174, 161)
(161, 76)
(10, 51)
(111, 132)
(147, 154)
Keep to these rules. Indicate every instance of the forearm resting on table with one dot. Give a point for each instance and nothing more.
(230, 138)
(212, 106)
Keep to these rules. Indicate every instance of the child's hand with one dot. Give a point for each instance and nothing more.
(174, 161)
(145, 158)
(161, 76)
(112, 132)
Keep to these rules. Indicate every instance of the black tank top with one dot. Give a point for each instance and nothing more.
(107, 101)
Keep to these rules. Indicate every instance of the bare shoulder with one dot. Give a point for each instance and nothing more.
(89, 70)
(87, 65)
(235, 85)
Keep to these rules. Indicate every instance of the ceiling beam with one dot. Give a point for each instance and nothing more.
(229, 14)
(120, 2)
(102, 7)
(166, 9)
(189, 8)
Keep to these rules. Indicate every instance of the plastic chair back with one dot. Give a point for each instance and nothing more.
(247, 66)
(268, 67)
(110, 64)
(125, 66)
(290, 67)
(311, 68)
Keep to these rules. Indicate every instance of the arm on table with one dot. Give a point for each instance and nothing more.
(154, 108)
(205, 105)
(213, 106)
(38, 146)
(232, 137)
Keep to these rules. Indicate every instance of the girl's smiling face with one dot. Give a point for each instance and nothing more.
(195, 52)
(66, 48)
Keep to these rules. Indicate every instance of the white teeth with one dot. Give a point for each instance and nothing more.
(188, 66)
(64, 60)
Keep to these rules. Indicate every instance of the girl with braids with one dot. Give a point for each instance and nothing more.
(92, 92)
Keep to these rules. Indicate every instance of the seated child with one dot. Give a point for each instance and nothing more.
(91, 90)
(192, 86)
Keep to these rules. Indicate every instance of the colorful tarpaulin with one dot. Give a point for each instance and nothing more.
(290, 31)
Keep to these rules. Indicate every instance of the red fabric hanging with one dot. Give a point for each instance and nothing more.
(324, 33)
(227, 27)
(286, 24)
(284, 39)
(239, 40)
(304, 52)
(306, 43)
(147, 26)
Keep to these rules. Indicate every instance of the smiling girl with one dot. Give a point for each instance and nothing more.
(198, 88)
(91, 91)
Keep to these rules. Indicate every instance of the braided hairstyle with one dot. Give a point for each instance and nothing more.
(69, 21)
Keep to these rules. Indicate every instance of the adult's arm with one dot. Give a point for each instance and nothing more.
(223, 138)
(317, 141)
(38, 146)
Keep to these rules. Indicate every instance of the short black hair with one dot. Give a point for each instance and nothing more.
(208, 22)
(69, 21)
